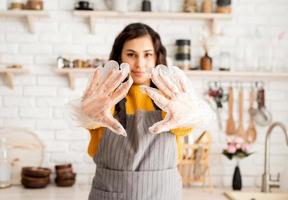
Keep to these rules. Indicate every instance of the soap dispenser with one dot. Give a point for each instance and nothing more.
(5, 165)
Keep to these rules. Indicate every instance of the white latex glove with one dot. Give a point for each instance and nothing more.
(104, 91)
(177, 98)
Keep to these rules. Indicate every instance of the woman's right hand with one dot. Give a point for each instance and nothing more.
(105, 91)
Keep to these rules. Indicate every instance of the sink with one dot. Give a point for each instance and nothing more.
(255, 196)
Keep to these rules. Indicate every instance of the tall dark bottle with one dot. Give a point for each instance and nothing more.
(146, 5)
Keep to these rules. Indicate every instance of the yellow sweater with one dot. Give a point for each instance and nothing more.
(135, 100)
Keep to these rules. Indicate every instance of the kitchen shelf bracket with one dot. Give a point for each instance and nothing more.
(71, 79)
(9, 80)
(31, 22)
(72, 73)
(9, 75)
(92, 22)
(29, 15)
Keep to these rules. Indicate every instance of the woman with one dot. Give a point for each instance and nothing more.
(141, 165)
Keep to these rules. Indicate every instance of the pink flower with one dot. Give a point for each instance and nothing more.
(245, 147)
(231, 149)
(238, 146)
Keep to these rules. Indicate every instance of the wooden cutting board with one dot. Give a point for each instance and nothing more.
(24, 148)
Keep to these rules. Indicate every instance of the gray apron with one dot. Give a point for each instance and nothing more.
(141, 166)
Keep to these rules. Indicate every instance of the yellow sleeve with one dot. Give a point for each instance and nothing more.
(179, 131)
(95, 138)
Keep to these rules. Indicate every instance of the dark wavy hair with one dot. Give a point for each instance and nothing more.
(137, 30)
(130, 32)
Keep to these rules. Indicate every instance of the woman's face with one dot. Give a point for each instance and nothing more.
(139, 53)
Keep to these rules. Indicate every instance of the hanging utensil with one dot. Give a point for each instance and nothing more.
(251, 132)
(230, 126)
(240, 130)
(262, 117)
(214, 93)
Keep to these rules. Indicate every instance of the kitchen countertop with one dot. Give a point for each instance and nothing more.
(79, 192)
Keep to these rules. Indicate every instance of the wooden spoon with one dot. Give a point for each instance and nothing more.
(240, 131)
(230, 126)
(251, 132)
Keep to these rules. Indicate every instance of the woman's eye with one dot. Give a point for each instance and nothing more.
(148, 54)
(132, 55)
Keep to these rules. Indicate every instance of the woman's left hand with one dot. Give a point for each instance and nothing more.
(177, 98)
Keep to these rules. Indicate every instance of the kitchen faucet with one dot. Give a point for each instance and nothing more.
(267, 182)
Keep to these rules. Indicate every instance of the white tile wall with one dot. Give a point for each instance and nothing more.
(37, 101)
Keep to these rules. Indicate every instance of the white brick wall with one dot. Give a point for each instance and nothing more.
(37, 101)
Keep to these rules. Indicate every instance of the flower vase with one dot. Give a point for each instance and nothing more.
(237, 179)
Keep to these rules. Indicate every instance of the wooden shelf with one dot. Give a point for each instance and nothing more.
(93, 15)
(213, 75)
(30, 15)
(9, 75)
(71, 74)
(235, 76)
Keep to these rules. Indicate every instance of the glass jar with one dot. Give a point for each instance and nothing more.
(183, 54)
(184, 64)
(34, 5)
(225, 61)
(265, 59)
(5, 165)
(223, 6)
(207, 6)
(251, 58)
(189, 6)
(16, 5)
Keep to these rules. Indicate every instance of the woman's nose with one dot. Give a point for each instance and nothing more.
(141, 62)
